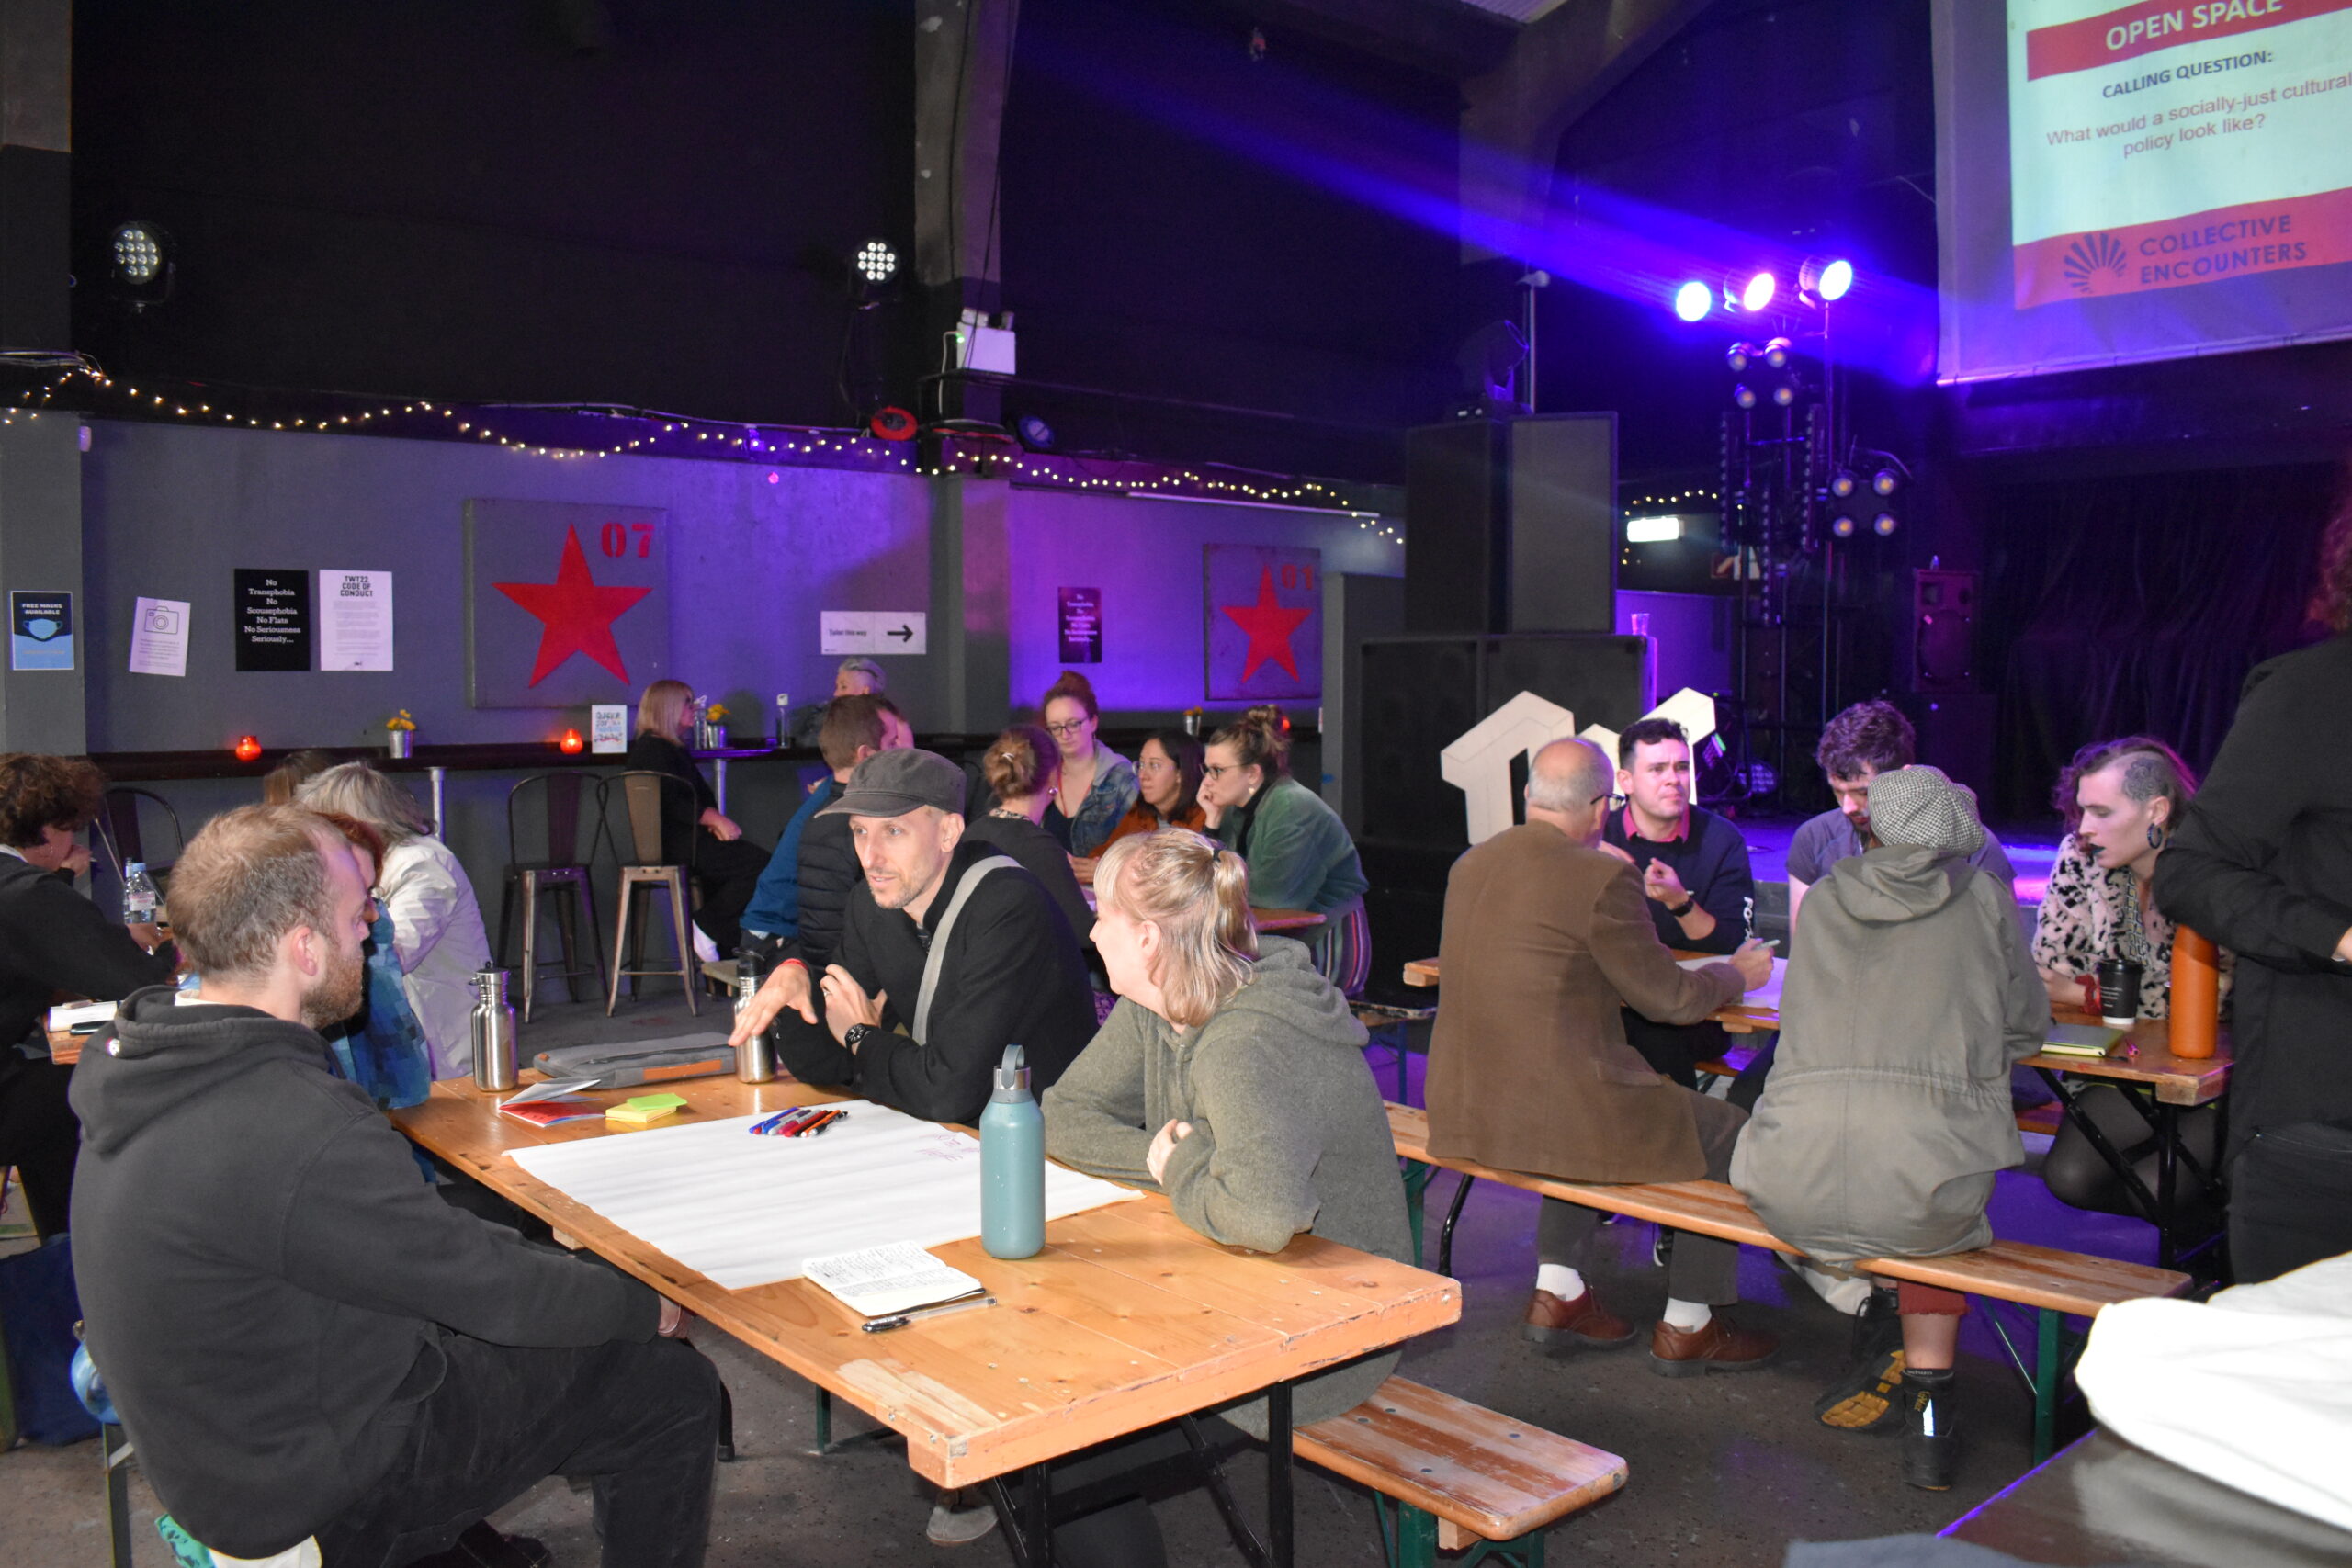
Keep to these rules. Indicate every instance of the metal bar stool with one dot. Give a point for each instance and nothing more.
(563, 875)
(644, 871)
(119, 831)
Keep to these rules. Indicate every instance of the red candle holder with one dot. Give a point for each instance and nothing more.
(570, 745)
(248, 749)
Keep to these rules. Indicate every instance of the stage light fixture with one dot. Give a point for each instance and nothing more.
(1757, 292)
(140, 262)
(1843, 483)
(1842, 526)
(1693, 300)
(1784, 394)
(1826, 278)
(1887, 482)
(1652, 530)
(1739, 357)
(1744, 396)
(1778, 352)
(1884, 524)
(877, 262)
(1035, 434)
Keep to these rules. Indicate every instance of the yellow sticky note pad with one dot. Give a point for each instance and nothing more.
(634, 1115)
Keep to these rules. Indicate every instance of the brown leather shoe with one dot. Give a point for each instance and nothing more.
(1584, 1320)
(1722, 1347)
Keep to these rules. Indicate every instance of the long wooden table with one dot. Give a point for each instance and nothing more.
(1127, 1320)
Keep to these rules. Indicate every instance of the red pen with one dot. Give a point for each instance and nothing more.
(819, 1124)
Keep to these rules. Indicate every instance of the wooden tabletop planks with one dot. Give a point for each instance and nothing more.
(1127, 1319)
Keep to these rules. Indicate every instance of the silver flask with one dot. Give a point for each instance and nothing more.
(493, 1031)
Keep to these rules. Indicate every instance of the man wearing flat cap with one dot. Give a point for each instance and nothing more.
(949, 952)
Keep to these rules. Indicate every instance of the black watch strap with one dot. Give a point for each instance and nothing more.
(1688, 904)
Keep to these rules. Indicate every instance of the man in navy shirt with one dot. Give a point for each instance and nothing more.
(1695, 868)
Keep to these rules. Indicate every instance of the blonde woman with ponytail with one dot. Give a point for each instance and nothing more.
(1231, 1078)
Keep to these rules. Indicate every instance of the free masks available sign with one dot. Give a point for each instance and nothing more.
(40, 631)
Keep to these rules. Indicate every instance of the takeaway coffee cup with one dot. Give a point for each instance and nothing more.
(2119, 992)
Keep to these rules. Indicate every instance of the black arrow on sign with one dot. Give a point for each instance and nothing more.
(905, 632)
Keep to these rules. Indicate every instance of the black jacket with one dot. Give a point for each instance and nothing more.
(659, 754)
(52, 938)
(266, 1280)
(829, 874)
(1044, 859)
(2262, 865)
(1012, 976)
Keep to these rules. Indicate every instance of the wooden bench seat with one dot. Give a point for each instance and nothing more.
(1462, 1473)
(2043, 1119)
(2056, 1284)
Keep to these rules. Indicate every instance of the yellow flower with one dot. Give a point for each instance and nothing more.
(715, 711)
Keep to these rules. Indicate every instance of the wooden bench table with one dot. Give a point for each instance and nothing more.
(2054, 1284)
(1127, 1319)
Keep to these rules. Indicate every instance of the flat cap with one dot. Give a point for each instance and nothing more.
(891, 783)
(1919, 807)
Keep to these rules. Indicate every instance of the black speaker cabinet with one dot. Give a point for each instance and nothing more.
(1420, 693)
(1511, 527)
(1943, 631)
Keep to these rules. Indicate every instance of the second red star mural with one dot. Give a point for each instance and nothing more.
(1264, 621)
(567, 605)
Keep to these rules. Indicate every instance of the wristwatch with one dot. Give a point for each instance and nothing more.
(856, 1035)
(1688, 904)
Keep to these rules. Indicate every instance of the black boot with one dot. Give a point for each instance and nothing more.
(1868, 1396)
(1930, 1431)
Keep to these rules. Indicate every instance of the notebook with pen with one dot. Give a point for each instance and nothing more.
(881, 1282)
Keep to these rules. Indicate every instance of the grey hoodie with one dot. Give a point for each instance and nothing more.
(1910, 995)
(1289, 1133)
(266, 1282)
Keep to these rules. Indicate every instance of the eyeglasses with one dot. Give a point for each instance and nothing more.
(1615, 802)
(1218, 770)
(1066, 727)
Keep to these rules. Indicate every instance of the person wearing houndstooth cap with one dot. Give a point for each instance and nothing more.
(1919, 807)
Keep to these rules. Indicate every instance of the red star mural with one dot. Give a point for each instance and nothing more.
(1269, 626)
(577, 615)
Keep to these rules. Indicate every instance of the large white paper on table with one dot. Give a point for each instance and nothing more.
(1767, 995)
(747, 1211)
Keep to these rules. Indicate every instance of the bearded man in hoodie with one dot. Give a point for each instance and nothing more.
(1880, 1128)
(317, 1358)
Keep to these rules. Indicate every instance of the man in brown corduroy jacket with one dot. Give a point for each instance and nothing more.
(1546, 938)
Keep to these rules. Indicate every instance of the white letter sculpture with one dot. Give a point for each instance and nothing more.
(1694, 711)
(1478, 762)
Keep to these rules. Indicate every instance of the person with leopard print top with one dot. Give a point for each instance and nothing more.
(2121, 799)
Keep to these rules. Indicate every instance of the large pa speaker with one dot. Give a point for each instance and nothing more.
(1943, 631)
(1512, 525)
(1420, 693)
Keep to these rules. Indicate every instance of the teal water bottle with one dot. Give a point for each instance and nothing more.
(1013, 1164)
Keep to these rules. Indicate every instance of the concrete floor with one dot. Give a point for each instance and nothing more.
(1725, 1470)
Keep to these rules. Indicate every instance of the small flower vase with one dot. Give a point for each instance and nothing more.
(401, 743)
(709, 735)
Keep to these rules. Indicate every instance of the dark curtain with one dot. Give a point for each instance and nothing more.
(2135, 604)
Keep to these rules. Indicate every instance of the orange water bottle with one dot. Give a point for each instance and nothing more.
(2196, 995)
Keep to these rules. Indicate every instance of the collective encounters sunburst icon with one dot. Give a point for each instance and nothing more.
(2088, 258)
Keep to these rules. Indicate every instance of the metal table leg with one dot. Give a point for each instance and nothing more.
(440, 776)
(1445, 1235)
(1278, 1456)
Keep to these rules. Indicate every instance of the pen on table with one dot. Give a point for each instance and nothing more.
(819, 1124)
(769, 1124)
(883, 1324)
(785, 1120)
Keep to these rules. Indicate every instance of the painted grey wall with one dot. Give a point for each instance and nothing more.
(170, 511)
(40, 551)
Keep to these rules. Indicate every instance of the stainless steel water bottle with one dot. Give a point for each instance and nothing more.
(755, 1059)
(1013, 1164)
(493, 1031)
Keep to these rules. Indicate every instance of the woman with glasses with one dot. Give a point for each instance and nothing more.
(1096, 784)
(1168, 787)
(1298, 852)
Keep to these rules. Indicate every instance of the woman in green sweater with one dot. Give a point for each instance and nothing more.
(1298, 849)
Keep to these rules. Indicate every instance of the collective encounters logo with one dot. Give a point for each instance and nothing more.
(2094, 263)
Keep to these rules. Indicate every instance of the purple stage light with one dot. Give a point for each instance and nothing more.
(1757, 292)
(1693, 300)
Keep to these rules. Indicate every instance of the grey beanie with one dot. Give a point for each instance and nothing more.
(1919, 807)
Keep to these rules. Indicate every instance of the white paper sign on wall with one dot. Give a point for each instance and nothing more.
(608, 729)
(1478, 762)
(874, 631)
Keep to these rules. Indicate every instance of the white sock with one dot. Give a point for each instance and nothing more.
(1688, 1316)
(1560, 1280)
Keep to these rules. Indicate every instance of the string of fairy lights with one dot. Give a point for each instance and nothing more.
(675, 434)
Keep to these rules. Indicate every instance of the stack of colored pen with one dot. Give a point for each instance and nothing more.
(800, 1122)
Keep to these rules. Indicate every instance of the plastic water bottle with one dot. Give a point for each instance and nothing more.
(137, 895)
(1013, 1164)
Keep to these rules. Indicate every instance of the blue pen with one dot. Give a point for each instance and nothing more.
(762, 1129)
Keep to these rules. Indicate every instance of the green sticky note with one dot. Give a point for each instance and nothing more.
(657, 1102)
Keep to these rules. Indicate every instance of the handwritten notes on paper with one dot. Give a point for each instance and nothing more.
(750, 1212)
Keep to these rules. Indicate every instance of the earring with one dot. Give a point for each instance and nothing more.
(2155, 835)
